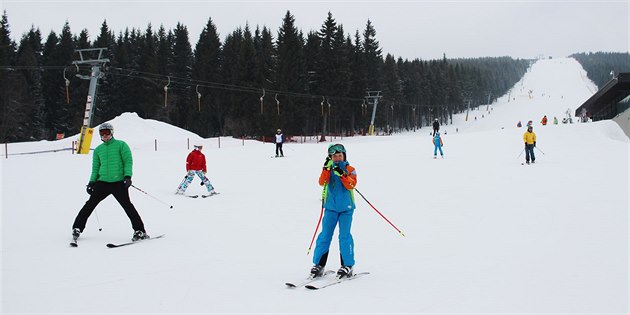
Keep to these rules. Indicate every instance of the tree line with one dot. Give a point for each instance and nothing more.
(599, 65)
(248, 84)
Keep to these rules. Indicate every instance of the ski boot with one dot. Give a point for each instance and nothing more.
(76, 232)
(139, 235)
(344, 272)
(317, 271)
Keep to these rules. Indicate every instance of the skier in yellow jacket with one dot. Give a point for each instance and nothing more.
(530, 142)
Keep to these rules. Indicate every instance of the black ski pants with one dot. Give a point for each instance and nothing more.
(279, 149)
(101, 191)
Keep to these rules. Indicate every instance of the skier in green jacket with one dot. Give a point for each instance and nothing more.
(111, 175)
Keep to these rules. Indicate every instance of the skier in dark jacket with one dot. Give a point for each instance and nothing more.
(279, 141)
(111, 175)
(436, 126)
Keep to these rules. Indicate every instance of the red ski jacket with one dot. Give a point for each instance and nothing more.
(196, 161)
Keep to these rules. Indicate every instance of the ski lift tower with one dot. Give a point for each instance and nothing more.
(85, 138)
(372, 98)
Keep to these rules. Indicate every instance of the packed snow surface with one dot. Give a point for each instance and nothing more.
(483, 234)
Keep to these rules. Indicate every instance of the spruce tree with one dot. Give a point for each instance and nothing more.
(206, 68)
(149, 94)
(33, 105)
(7, 93)
(182, 92)
(290, 71)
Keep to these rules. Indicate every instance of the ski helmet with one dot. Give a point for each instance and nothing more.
(106, 126)
(337, 148)
(198, 146)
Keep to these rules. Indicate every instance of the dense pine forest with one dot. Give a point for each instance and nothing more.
(247, 84)
(599, 65)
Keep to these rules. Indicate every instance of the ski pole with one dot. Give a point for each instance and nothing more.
(98, 221)
(399, 231)
(144, 192)
(521, 153)
(321, 214)
(540, 150)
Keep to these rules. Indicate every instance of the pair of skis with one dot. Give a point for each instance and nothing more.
(203, 196)
(307, 283)
(74, 243)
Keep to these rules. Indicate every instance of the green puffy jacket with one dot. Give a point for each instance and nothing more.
(111, 162)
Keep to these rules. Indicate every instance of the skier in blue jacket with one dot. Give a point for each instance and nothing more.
(437, 142)
(339, 180)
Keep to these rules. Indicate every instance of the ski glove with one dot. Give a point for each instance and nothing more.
(127, 181)
(534, 143)
(338, 171)
(90, 187)
(328, 163)
(201, 184)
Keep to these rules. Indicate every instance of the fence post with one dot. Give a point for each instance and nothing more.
(187, 143)
(219, 138)
(155, 144)
(6, 150)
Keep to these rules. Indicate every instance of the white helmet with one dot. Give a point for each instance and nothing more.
(106, 126)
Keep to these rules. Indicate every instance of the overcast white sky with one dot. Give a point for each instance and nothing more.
(408, 29)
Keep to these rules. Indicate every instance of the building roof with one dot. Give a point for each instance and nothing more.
(614, 91)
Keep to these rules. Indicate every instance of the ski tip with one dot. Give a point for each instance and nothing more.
(110, 245)
(311, 287)
(290, 285)
(73, 244)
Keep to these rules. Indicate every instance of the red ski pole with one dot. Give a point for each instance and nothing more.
(321, 214)
(399, 231)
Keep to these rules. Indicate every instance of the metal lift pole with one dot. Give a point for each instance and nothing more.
(86, 131)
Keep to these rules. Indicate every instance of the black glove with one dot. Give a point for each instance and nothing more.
(534, 143)
(90, 187)
(327, 163)
(127, 182)
(201, 184)
(338, 171)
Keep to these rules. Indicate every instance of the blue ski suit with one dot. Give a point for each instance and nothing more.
(339, 206)
(437, 142)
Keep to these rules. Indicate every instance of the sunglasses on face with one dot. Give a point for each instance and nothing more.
(337, 148)
(105, 132)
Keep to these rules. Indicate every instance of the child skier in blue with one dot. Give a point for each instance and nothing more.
(339, 180)
(437, 141)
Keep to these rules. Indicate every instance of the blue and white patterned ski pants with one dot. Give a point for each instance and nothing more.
(189, 178)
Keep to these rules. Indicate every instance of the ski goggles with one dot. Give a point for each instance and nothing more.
(337, 148)
(105, 132)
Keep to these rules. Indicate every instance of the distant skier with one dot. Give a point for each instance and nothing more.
(519, 125)
(339, 180)
(555, 120)
(437, 142)
(195, 165)
(111, 175)
(544, 121)
(279, 141)
(436, 126)
(529, 137)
